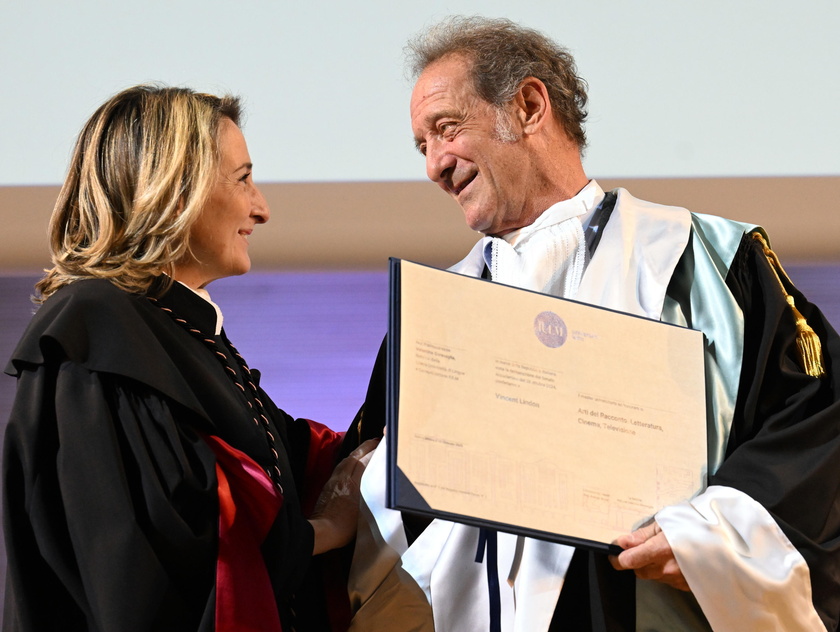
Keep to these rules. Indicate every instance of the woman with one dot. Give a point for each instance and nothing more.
(150, 484)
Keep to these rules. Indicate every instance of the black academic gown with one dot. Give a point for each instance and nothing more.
(111, 510)
(783, 449)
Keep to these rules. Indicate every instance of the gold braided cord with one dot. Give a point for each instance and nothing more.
(807, 340)
(359, 424)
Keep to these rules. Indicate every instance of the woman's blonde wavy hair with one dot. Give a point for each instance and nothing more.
(142, 170)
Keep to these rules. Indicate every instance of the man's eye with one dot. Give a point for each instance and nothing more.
(446, 129)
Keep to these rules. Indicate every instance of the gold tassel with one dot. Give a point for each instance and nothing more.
(807, 340)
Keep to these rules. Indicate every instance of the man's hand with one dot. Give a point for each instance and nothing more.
(337, 509)
(647, 552)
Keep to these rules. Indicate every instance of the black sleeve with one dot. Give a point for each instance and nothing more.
(110, 508)
(369, 422)
(784, 446)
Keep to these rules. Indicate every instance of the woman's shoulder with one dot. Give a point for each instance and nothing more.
(87, 297)
(96, 325)
(80, 321)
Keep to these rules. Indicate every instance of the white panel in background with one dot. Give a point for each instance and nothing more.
(677, 88)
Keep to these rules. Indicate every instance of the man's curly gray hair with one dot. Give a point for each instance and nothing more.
(502, 55)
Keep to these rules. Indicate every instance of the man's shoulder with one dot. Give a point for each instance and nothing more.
(707, 221)
(711, 222)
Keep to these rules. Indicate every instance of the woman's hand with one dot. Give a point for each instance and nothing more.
(647, 552)
(337, 509)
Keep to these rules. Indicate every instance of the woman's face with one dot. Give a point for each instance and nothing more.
(219, 237)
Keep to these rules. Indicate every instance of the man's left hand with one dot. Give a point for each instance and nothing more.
(648, 554)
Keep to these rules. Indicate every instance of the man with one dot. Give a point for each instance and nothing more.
(497, 111)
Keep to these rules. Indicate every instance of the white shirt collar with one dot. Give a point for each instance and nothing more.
(582, 205)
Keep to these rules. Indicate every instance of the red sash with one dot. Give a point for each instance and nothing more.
(248, 505)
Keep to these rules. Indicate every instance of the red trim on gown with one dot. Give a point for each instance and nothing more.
(248, 505)
(324, 445)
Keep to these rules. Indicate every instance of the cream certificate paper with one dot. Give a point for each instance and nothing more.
(538, 415)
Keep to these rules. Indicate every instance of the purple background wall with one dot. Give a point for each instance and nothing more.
(313, 335)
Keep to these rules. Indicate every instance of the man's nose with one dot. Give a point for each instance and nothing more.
(439, 162)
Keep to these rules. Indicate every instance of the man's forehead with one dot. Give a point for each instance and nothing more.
(444, 79)
(430, 89)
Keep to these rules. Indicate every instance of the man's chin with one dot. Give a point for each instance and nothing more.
(478, 222)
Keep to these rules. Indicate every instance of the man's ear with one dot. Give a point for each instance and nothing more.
(533, 107)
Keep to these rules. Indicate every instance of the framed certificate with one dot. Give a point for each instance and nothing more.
(537, 415)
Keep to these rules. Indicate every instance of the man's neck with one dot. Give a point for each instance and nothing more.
(554, 193)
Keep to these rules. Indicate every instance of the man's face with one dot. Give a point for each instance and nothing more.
(460, 136)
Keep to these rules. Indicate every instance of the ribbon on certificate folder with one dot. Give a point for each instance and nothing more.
(488, 541)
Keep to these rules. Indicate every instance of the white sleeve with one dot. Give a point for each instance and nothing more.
(740, 566)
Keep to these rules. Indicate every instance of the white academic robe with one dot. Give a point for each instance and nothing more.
(403, 587)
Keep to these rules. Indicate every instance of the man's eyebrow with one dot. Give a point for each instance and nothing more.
(433, 117)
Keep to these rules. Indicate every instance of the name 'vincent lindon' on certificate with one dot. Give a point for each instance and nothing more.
(538, 415)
